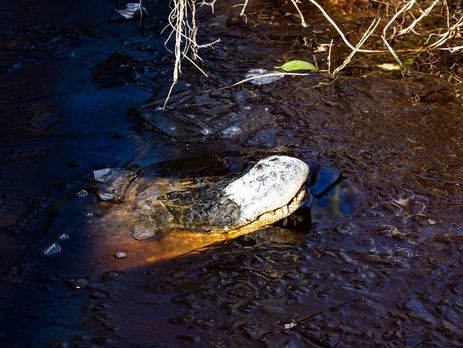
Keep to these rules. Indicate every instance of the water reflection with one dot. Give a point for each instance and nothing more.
(341, 200)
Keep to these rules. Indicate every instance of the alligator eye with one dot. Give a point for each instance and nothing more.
(259, 167)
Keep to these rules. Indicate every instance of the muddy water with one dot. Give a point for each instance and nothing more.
(380, 264)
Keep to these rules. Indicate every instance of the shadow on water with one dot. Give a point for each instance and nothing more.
(374, 256)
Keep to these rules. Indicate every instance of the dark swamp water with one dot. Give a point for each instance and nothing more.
(380, 265)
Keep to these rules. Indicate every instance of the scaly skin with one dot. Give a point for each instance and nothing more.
(189, 214)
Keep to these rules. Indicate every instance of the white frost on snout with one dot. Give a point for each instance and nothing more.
(269, 185)
(100, 173)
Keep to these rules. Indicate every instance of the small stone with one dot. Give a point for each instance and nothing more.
(52, 249)
(120, 255)
(142, 233)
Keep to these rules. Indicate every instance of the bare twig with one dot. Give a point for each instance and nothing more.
(184, 29)
(364, 38)
(264, 75)
(417, 20)
(408, 5)
(444, 37)
(343, 37)
(178, 14)
(404, 20)
(391, 50)
(295, 2)
(243, 8)
(210, 4)
(329, 57)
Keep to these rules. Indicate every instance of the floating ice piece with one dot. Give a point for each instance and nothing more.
(82, 194)
(113, 182)
(63, 236)
(101, 173)
(52, 249)
(231, 131)
(265, 79)
(132, 10)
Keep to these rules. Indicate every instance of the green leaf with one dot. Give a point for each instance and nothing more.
(294, 65)
(409, 61)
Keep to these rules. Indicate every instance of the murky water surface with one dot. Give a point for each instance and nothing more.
(377, 260)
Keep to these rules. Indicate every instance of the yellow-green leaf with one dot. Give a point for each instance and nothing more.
(409, 61)
(294, 65)
(389, 67)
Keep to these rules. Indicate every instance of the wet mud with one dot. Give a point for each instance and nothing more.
(374, 258)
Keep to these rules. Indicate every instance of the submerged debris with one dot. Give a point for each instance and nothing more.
(223, 119)
(52, 249)
(263, 76)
